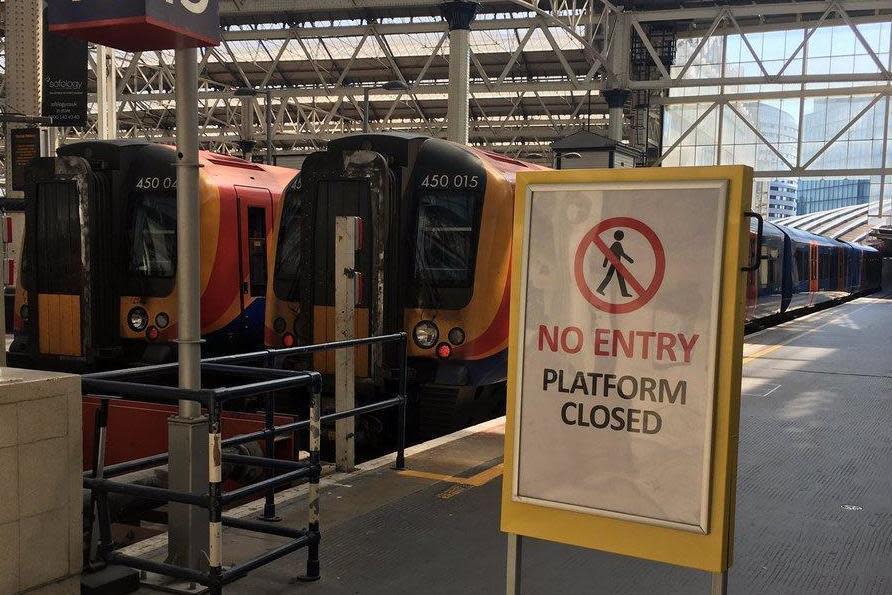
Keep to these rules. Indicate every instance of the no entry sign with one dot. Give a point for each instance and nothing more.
(613, 261)
(624, 373)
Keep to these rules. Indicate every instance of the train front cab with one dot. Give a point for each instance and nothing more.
(66, 305)
(100, 257)
(437, 224)
(766, 285)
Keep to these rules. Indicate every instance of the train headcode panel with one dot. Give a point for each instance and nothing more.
(624, 363)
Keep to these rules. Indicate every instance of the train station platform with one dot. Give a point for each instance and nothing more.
(813, 508)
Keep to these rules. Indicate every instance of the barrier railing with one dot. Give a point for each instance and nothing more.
(112, 385)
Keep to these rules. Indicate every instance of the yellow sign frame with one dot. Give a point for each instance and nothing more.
(712, 551)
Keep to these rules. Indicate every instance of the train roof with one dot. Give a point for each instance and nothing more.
(118, 152)
(404, 145)
(768, 229)
(803, 236)
(861, 247)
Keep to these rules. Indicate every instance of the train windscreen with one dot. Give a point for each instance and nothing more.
(286, 282)
(153, 236)
(445, 239)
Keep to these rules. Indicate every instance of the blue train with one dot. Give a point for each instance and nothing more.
(801, 269)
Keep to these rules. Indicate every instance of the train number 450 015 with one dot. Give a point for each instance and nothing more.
(450, 181)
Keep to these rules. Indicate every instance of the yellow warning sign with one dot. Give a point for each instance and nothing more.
(625, 360)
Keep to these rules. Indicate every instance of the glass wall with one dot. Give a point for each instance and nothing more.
(820, 129)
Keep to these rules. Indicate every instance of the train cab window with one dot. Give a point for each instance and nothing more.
(153, 238)
(446, 240)
(257, 250)
(286, 282)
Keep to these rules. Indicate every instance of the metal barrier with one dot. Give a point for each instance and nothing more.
(113, 385)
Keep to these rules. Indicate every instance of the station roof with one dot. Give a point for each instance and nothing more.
(845, 223)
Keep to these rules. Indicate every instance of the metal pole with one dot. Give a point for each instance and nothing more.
(459, 15)
(106, 93)
(188, 432)
(345, 305)
(401, 410)
(515, 556)
(269, 505)
(24, 70)
(188, 229)
(619, 60)
(269, 127)
(313, 488)
(365, 109)
(459, 86)
(247, 126)
(215, 491)
(719, 583)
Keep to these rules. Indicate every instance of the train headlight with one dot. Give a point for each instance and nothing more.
(137, 319)
(162, 320)
(24, 311)
(279, 325)
(426, 334)
(456, 336)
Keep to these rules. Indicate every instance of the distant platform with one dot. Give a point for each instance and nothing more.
(813, 508)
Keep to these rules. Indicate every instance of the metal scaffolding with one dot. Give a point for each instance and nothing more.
(534, 74)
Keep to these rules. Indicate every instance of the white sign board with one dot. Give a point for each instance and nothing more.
(619, 305)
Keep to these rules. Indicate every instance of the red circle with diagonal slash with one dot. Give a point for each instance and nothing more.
(644, 293)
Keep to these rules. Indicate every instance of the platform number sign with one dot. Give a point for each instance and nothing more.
(624, 362)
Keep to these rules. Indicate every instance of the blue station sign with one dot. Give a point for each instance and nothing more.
(137, 25)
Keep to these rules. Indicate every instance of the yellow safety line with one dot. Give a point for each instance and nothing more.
(473, 481)
(766, 350)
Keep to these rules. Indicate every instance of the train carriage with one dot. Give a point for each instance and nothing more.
(99, 268)
(813, 263)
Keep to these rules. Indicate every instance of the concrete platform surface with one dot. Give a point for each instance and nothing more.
(814, 500)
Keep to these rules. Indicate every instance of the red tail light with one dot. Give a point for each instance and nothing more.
(288, 340)
(444, 350)
(152, 333)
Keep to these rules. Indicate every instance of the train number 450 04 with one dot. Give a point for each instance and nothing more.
(154, 183)
(450, 181)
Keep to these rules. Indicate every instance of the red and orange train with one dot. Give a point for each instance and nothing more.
(99, 273)
(100, 259)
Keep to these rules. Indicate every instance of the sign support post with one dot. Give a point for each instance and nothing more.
(345, 316)
(515, 558)
(188, 431)
(624, 363)
(136, 25)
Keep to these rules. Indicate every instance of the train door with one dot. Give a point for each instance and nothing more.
(842, 278)
(341, 197)
(255, 206)
(752, 283)
(56, 268)
(813, 271)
